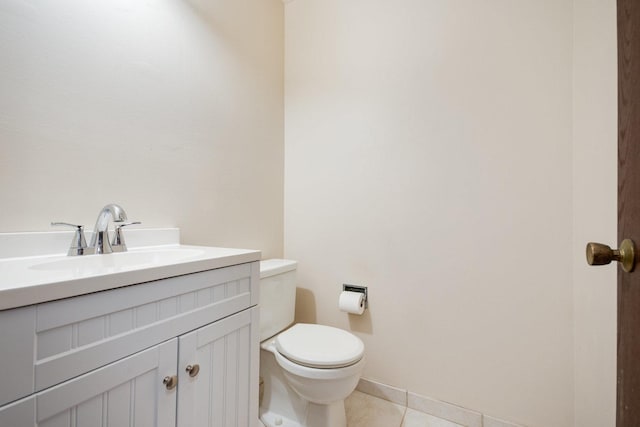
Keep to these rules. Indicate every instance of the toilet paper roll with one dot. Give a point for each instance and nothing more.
(351, 302)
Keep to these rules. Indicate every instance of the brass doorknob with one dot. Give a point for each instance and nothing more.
(599, 254)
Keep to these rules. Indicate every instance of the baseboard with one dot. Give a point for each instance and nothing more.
(445, 410)
(383, 391)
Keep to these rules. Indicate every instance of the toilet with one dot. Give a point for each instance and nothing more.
(306, 370)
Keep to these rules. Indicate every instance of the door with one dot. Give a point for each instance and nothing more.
(218, 373)
(628, 360)
(129, 392)
(628, 399)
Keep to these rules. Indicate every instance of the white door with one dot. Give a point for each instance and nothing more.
(223, 392)
(129, 392)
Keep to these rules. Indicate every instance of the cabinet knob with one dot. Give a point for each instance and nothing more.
(170, 382)
(193, 370)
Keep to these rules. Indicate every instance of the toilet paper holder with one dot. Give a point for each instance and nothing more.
(357, 288)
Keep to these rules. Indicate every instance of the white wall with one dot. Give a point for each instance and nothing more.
(173, 109)
(428, 156)
(594, 209)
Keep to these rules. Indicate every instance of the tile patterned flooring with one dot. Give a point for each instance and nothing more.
(364, 410)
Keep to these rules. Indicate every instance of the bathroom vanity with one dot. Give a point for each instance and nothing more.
(164, 341)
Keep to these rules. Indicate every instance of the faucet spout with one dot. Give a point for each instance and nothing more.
(100, 238)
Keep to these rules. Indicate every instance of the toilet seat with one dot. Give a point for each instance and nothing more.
(319, 346)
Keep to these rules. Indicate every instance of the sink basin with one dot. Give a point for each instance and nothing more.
(134, 259)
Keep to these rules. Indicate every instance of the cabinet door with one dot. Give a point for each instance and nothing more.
(17, 347)
(19, 414)
(128, 392)
(224, 393)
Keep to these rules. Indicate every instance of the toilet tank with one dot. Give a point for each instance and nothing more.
(277, 296)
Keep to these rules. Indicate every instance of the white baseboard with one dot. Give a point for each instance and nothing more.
(437, 408)
(383, 391)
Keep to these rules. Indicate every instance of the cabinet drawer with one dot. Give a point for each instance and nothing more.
(76, 335)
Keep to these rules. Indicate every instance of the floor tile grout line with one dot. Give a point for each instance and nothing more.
(404, 414)
(406, 405)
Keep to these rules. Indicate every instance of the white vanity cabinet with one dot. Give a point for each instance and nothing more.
(100, 359)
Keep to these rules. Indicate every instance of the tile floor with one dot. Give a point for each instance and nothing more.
(364, 410)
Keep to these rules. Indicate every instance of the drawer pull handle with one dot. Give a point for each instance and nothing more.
(193, 370)
(170, 382)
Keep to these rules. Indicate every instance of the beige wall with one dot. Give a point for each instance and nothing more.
(428, 156)
(428, 146)
(172, 108)
(594, 209)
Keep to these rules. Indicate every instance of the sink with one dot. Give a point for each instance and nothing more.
(35, 276)
(123, 261)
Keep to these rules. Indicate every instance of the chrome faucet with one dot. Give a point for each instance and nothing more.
(100, 239)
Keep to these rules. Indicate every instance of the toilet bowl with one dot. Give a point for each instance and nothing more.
(308, 370)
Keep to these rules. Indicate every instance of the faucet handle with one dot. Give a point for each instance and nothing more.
(118, 244)
(78, 243)
(79, 227)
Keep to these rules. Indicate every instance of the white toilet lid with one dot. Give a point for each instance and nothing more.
(319, 346)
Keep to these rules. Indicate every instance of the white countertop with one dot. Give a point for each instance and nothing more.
(34, 279)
